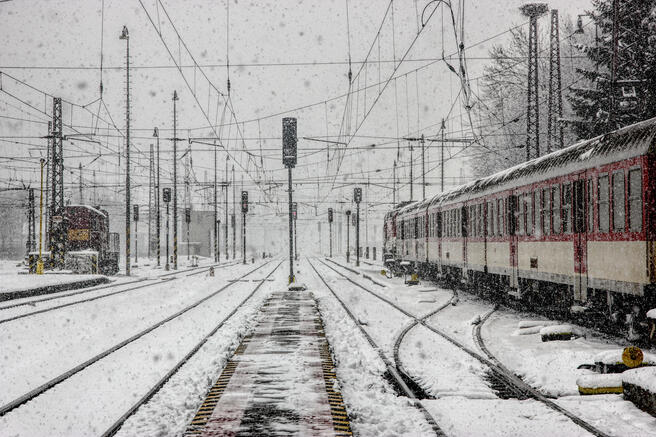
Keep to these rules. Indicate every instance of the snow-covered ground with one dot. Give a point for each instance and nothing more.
(465, 404)
(38, 347)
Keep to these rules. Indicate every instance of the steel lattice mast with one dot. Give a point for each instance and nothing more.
(555, 138)
(533, 11)
(57, 178)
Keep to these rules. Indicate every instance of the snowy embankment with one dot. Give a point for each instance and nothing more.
(17, 285)
(89, 402)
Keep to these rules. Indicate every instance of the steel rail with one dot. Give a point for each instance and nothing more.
(514, 383)
(116, 426)
(66, 375)
(391, 369)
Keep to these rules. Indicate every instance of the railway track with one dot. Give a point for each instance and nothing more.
(392, 372)
(150, 283)
(116, 426)
(499, 376)
(32, 394)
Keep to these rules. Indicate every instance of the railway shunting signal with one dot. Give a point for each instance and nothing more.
(289, 141)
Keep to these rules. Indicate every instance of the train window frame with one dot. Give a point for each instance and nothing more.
(635, 197)
(619, 205)
(529, 213)
(537, 210)
(566, 207)
(589, 198)
(546, 211)
(556, 217)
(491, 215)
(500, 220)
(603, 206)
(481, 220)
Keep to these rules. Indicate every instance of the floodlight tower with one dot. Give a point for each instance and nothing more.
(533, 11)
(554, 130)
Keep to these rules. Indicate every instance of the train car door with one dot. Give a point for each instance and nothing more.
(511, 219)
(582, 191)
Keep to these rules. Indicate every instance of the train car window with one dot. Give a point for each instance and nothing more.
(619, 214)
(519, 216)
(635, 200)
(529, 214)
(500, 217)
(546, 211)
(555, 210)
(538, 211)
(590, 205)
(458, 223)
(603, 204)
(567, 208)
(438, 224)
(481, 220)
(490, 218)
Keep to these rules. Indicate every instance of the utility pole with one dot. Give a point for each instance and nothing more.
(295, 214)
(175, 182)
(48, 185)
(226, 209)
(31, 221)
(217, 256)
(533, 11)
(79, 167)
(244, 210)
(412, 164)
(289, 140)
(167, 199)
(157, 203)
(95, 188)
(555, 138)
(443, 129)
(188, 221)
(330, 229)
(233, 224)
(56, 227)
(39, 263)
(613, 66)
(394, 184)
(126, 37)
(217, 223)
(151, 208)
(357, 197)
(136, 234)
(422, 141)
(348, 244)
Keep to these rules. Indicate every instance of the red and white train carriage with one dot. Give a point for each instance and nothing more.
(576, 226)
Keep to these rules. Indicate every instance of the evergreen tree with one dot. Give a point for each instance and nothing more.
(635, 90)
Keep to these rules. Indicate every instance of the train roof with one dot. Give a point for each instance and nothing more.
(89, 207)
(630, 141)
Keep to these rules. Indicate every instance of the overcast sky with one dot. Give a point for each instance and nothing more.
(55, 46)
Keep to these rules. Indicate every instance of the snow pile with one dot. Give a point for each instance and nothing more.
(530, 327)
(599, 380)
(644, 377)
(560, 332)
(651, 314)
(614, 356)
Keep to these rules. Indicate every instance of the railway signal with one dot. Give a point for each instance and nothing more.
(357, 196)
(244, 210)
(348, 252)
(330, 230)
(166, 195)
(187, 221)
(289, 140)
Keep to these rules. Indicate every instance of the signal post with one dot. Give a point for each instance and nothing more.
(244, 210)
(357, 196)
(166, 195)
(289, 140)
(330, 230)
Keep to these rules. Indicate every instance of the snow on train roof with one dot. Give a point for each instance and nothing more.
(633, 140)
(95, 210)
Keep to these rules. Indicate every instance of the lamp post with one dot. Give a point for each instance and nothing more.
(348, 223)
(125, 35)
(175, 182)
(157, 219)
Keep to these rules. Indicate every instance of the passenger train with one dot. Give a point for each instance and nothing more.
(572, 230)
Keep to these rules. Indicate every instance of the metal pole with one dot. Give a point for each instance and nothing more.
(175, 182)
(232, 224)
(357, 235)
(168, 267)
(217, 223)
(442, 158)
(296, 237)
(348, 245)
(226, 210)
(216, 212)
(330, 229)
(157, 201)
(125, 36)
(411, 176)
(79, 166)
(150, 200)
(291, 227)
(613, 66)
(188, 222)
(39, 263)
(423, 168)
(394, 184)
(243, 219)
(136, 242)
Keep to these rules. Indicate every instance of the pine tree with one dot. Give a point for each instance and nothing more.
(635, 90)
